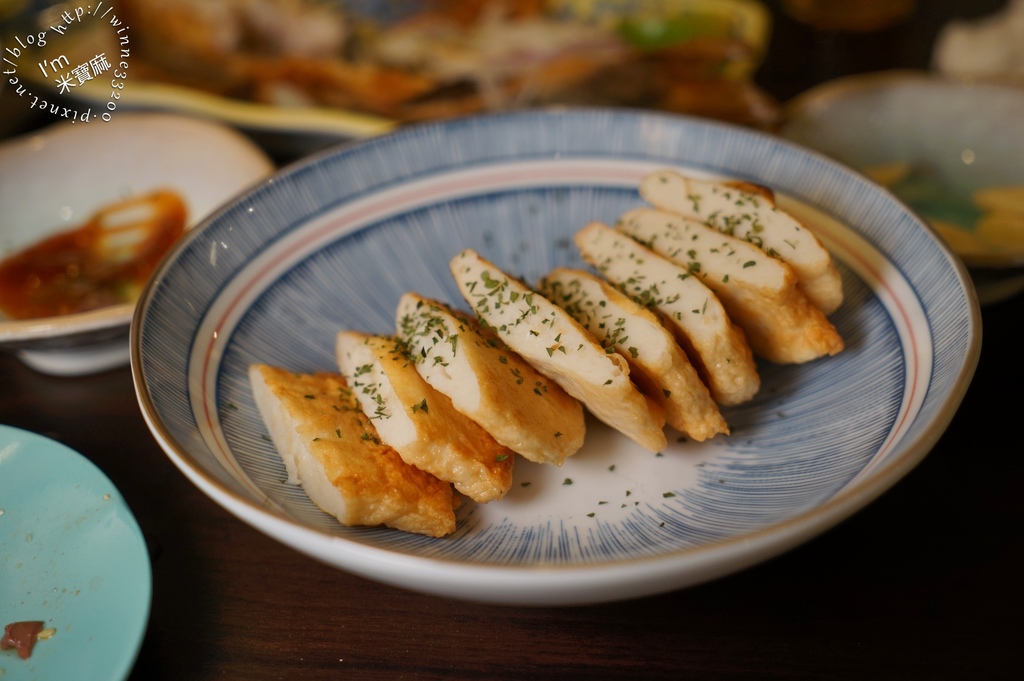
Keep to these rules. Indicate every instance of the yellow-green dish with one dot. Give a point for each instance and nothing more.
(950, 150)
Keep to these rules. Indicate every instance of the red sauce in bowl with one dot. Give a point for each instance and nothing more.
(104, 262)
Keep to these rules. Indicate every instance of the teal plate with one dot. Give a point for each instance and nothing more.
(72, 556)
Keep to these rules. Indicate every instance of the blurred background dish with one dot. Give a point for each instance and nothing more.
(950, 149)
(989, 47)
(843, 15)
(119, 186)
(302, 74)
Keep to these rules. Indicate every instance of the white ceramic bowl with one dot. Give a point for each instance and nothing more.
(967, 135)
(333, 242)
(55, 179)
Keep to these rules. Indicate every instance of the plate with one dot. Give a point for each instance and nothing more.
(332, 243)
(57, 178)
(949, 148)
(71, 555)
(284, 132)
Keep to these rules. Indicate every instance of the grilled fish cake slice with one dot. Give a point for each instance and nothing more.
(489, 383)
(557, 346)
(689, 309)
(749, 212)
(332, 450)
(657, 363)
(420, 423)
(760, 293)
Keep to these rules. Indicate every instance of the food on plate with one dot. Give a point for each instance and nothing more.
(717, 347)
(331, 449)
(520, 407)
(749, 212)
(418, 422)
(104, 262)
(760, 293)
(495, 55)
(450, 398)
(657, 363)
(556, 345)
(437, 58)
(22, 636)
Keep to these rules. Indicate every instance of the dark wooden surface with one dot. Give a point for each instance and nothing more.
(925, 583)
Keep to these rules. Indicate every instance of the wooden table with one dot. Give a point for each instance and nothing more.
(925, 583)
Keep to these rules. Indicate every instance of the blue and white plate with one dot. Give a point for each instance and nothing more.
(71, 556)
(333, 242)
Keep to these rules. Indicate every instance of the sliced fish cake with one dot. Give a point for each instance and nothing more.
(331, 449)
(489, 383)
(558, 347)
(760, 293)
(748, 212)
(420, 423)
(695, 315)
(657, 363)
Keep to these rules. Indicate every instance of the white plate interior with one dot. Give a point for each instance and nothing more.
(966, 131)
